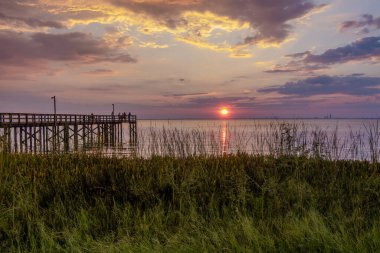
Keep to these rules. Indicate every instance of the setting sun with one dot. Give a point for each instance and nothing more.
(224, 111)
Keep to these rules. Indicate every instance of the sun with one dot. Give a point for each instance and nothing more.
(224, 111)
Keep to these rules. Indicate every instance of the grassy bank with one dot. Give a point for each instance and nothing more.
(76, 203)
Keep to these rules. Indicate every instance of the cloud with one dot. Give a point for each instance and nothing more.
(282, 69)
(100, 72)
(205, 24)
(270, 19)
(212, 101)
(32, 22)
(298, 55)
(27, 13)
(363, 49)
(153, 45)
(323, 85)
(22, 49)
(183, 95)
(367, 22)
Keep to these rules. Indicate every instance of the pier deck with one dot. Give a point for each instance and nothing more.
(43, 133)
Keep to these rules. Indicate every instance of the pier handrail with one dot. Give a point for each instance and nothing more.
(32, 118)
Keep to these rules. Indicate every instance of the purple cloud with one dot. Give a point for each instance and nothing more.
(100, 72)
(32, 22)
(359, 50)
(212, 101)
(21, 49)
(367, 21)
(364, 49)
(322, 85)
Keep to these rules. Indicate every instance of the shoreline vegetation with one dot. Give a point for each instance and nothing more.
(203, 203)
(278, 188)
(273, 139)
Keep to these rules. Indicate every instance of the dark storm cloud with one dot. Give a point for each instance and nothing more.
(21, 49)
(364, 49)
(322, 85)
(366, 22)
(268, 17)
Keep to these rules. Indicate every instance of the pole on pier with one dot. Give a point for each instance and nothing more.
(55, 105)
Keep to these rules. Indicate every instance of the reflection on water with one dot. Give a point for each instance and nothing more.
(224, 138)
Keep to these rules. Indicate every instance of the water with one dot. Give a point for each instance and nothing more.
(356, 139)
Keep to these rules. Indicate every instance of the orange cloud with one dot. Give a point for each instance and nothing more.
(191, 21)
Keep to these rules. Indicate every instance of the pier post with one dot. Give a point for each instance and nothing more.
(106, 133)
(34, 139)
(15, 139)
(21, 142)
(9, 141)
(132, 133)
(43, 139)
(75, 137)
(66, 137)
(83, 137)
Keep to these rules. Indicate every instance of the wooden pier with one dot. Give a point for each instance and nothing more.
(46, 133)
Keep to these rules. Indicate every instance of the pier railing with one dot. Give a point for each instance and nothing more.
(29, 119)
(43, 133)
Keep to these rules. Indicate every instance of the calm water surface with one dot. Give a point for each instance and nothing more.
(331, 138)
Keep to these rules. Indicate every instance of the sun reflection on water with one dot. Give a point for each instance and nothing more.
(224, 138)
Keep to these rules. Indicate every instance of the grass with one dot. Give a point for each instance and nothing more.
(232, 203)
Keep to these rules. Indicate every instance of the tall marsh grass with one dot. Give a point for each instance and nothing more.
(283, 188)
(231, 203)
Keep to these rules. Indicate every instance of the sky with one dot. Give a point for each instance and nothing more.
(175, 59)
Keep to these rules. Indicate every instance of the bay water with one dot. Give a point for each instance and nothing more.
(357, 139)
